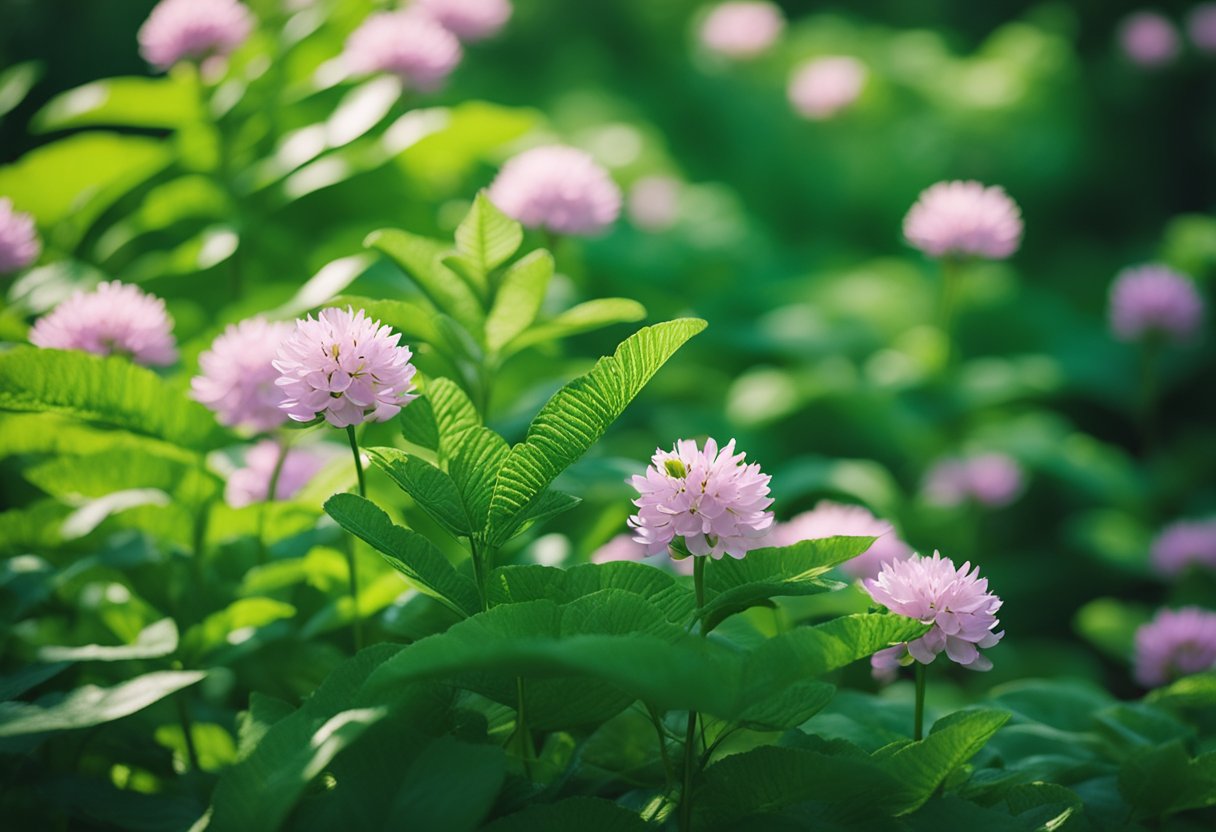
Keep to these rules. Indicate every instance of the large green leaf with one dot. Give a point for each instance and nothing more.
(1165, 780)
(787, 707)
(419, 258)
(586, 814)
(486, 239)
(109, 471)
(813, 651)
(412, 320)
(121, 102)
(418, 423)
(453, 411)
(576, 417)
(519, 298)
(234, 624)
(432, 489)
(89, 705)
(451, 785)
(514, 584)
(156, 640)
(594, 314)
(408, 552)
(476, 457)
(110, 391)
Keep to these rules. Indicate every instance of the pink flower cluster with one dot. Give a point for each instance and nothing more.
(1149, 39)
(237, 378)
(407, 44)
(251, 484)
(560, 189)
(1184, 544)
(1175, 643)
(742, 29)
(1154, 300)
(990, 479)
(829, 519)
(821, 88)
(179, 30)
(708, 497)
(113, 319)
(19, 244)
(469, 20)
(345, 367)
(964, 219)
(955, 601)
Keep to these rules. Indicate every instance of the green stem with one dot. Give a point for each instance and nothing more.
(183, 716)
(948, 301)
(662, 735)
(918, 727)
(357, 620)
(690, 734)
(271, 490)
(523, 736)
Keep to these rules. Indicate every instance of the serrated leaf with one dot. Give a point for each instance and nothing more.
(110, 391)
(585, 317)
(408, 552)
(121, 102)
(419, 257)
(89, 705)
(418, 424)
(550, 504)
(432, 489)
(157, 639)
(487, 237)
(454, 412)
(519, 298)
(531, 582)
(787, 707)
(473, 463)
(576, 417)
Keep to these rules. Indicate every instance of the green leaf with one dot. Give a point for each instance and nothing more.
(418, 423)
(550, 504)
(106, 472)
(1164, 780)
(432, 489)
(419, 258)
(110, 391)
(1110, 625)
(486, 238)
(576, 417)
(451, 785)
(530, 582)
(409, 553)
(89, 705)
(410, 319)
(586, 814)
(519, 298)
(16, 82)
(1198, 691)
(732, 586)
(453, 411)
(594, 314)
(156, 640)
(234, 624)
(787, 707)
(165, 102)
(475, 459)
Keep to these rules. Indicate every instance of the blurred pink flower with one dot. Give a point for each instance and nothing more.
(829, 519)
(408, 44)
(469, 20)
(113, 319)
(193, 30)
(1183, 544)
(989, 479)
(742, 29)
(345, 367)
(557, 188)
(1149, 39)
(19, 244)
(1175, 643)
(1154, 300)
(654, 203)
(237, 375)
(964, 218)
(710, 498)
(1201, 26)
(821, 88)
(624, 547)
(251, 484)
(955, 601)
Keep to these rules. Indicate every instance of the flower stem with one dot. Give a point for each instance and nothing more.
(356, 620)
(271, 491)
(690, 735)
(918, 727)
(523, 736)
(948, 301)
(183, 716)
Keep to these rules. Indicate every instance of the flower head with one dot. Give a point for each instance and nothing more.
(964, 218)
(990, 479)
(1183, 544)
(179, 30)
(113, 319)
(469, 20)
(560, 189)
(624, 547)
(19, 244)
(237, 378)
(1201, 26)
(955, 601)
(654, 203)
(251, 484)
(346, 367)
(407, 44)
(821, 88)
(1149, 39)
(710, 498)
(742, 29)
(1175, 643)
(829, 519)
(1154, 300)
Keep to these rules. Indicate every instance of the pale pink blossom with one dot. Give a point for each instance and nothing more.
(194, 30)
(113, 319)
(559, 189)
(964, 219)
(624, 547)
(237, 375)
(654, 203)
(408, 44)
(1184, 544)
(1154, 300)
(742, 29)
(1174, 644)
(469, 20)
(829, 519)
(251, 483)
(821, 88)
(990, 479)
(1201, 26)
(19, 243)
(1149, 39)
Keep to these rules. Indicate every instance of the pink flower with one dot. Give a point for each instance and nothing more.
(955, 601)
(654, 203)
(1201, 26)
(113, 319)
(193, 30)
(709, 498)
(469, 20)
(557, 188)
(1154, 300)
(346, 367)
(251, 484)
(1175, 643)
(624, 547)
(964, 218)
(829, 519)
(742, 29)
(1149, 39)
(990, 479)
(237, 378)
(19, 244)
(407, 44)
(1183, 544)
(821, 88)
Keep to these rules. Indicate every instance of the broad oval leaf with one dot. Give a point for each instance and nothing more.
(432, 489)
(419, 258)
(157, 639)
(487, 237)
(519, 298)
(121, 102)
